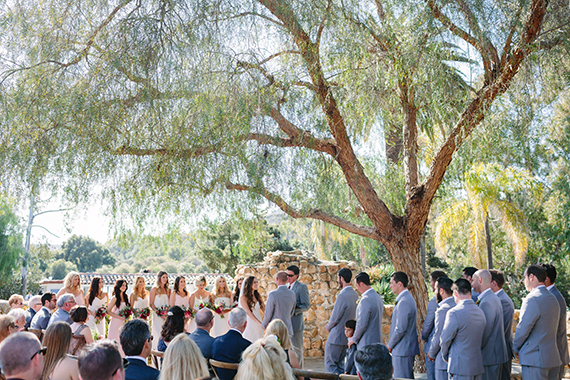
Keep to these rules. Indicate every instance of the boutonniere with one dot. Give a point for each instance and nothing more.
(478, 302)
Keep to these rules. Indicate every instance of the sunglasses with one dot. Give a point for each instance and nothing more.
(124, 364)
(150, 338)
(42, 351)
(291, 275)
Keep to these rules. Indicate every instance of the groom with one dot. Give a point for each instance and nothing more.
(280, 303)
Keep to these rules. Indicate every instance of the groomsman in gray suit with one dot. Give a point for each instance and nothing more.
(535, 337)
(403, 344)
(497, 282)
(344, 310)
(445, 300)
(280, 303)
(494, 348)
(428, 328)
(462, 335)
(303, 303)
(561, 338)
(467, 274)
(368, 314)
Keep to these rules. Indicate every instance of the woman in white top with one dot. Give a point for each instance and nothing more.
(78, 315)
(159, 296)
(94, 300)
(118, 303)
(199, 296)
(180, 296)
(139, 297)
(250, 300)
(72, 285)
(221, 294)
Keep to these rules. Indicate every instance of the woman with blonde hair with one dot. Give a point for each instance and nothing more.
(278, 328)
(159, 297)
(58, 365)
(94, 300)
(250, 300)
(183, 360)
(201, 295)
(221, 295)
(264, 360)
(139, 297)
(7, 326)
(72, 285)
(16, 301)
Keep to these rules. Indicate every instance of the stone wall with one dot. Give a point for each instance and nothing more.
(320, 278)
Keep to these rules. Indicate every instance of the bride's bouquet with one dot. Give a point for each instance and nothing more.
(100, 314)
(127, 313)
(143, 313)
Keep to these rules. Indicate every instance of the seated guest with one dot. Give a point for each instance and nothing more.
(58, 364)
(264, 360)
(35, 304)
(102, 361)
(22, 357)
(173, 325)
(136, 342)
(228, 347)
(183, 360)
(7, 326)
(42, 317)
(373, 362)
(16, 301)
(19, 316)
(278, 328)
(78, 327)
(204, 323)
(64, 304)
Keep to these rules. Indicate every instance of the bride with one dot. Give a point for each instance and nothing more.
(251, 302)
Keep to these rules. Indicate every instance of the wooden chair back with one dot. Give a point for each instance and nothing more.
(218, 364)
(306, 373)
(156, 358)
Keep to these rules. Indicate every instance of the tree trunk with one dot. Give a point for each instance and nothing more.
(393, 143)
(25, 267)
(488, 243)
(423, 253)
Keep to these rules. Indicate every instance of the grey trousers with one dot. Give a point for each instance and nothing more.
(403, 367)
(465, 377)
(505, 372)
(537, 373)
(298, 345)
(441, 374)
(492, 372)
(334, 358)
(561, 372)
(430, 369)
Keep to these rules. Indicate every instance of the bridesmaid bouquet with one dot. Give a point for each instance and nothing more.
(100, 314)
(127, 313)
(163, 310)
(188, 312)
(218, 308)
(143, 313)
(203, 305)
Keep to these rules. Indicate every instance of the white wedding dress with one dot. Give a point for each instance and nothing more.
(253, 330)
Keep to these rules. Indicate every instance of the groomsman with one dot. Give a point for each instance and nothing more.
(403, 344)
(344, 310)
(561, 338)
(494, 349)
(535, 337)
(462, 335)
(497, 282)
(369, 314)
(445, 300)
(280, 303)
(467, 274)
(303, 303)
(428, 328)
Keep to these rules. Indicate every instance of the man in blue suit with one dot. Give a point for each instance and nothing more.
(229, 347)
(136, 342)
(202, 338)
(42, 317)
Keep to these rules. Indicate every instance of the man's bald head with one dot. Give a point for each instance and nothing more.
(204, 317)
(281, 278)
(16, 351)
(482, 280)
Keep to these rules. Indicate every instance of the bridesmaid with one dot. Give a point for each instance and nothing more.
(199, 296)
(139, 296)
(159, 296)
(237, 289)
(118, 303)
(221, 294)
(179, 295)
(94, 300)
(72, 284)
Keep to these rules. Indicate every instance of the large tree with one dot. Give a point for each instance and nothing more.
(167, 102)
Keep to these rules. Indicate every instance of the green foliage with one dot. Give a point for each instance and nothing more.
(60, 268)
(11, 248)
(85, 253)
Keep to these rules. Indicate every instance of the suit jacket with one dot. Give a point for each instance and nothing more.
(561, 339)
(494, 348)
(303, 303)
(461, 339)
(474, 295)
(434, 349)
(428, 328)
(508, 317)
(204, 342)
(349, 366)
(280, 305)
(41, 319)
(535, 337)
(228, 348)
(60, 315)
(403, 331)
(344, 310)
(30, 313)
(369, 314)
(138, 370)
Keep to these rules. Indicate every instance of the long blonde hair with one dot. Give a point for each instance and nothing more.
(68, 281)
(57, 340)
(264, 360)
(278, 328)
(183, 360)
(136, 290)
(217, 291)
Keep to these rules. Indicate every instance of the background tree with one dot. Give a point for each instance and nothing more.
(85, 253)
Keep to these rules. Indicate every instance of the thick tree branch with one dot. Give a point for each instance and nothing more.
(410, 136)
(365, 231)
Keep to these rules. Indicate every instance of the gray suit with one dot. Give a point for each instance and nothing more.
(404, 335)
(303, 303)
(60, 315)
(428, 330)
(369, 314)
(461, 340)
(41, 319)
(434, 349)
(535, 337)
(508, 316)
(561, 338)
(280, 305)
(335, 348)
(494, 349)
